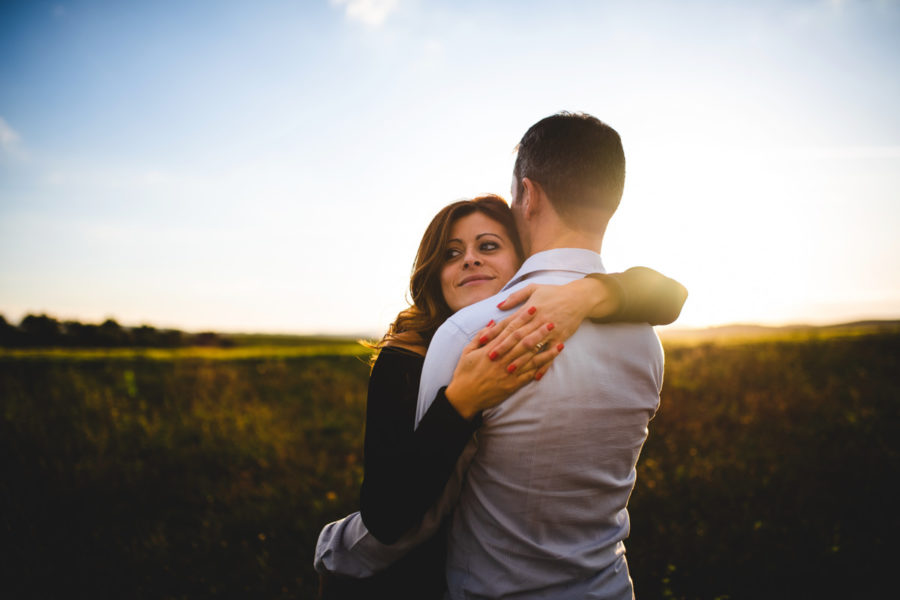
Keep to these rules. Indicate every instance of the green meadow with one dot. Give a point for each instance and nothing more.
(769, 472)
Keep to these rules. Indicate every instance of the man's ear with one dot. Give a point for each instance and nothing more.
(532, 199)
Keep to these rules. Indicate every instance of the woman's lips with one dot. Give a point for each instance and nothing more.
(472, 279)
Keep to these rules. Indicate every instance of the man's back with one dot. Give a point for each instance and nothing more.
(542, 512)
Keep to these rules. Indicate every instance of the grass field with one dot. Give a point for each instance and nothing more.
(195, 473)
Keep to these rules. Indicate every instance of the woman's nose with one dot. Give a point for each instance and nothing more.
(471, 259)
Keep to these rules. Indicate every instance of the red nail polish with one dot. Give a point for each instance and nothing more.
(532, 310)
(491, 324)
(483, 340)
(501, 304)
(538, 376)
(559, 347)
(510, 368)
(492, 355)
(550, 326)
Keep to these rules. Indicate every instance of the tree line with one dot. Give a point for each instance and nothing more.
(45, 331)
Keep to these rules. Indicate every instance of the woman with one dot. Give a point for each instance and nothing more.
(468, 252)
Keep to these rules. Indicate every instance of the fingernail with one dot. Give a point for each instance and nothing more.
(491, 324)
(483, 340)
(531, 310)
(511, 368)
(559, 347)
(501, 304)
(538, 376)
(550, 326)
(492, 355)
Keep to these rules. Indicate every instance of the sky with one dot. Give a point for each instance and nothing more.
(271, 166)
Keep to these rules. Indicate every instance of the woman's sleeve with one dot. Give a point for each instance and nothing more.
(405, 470)
(645, 296)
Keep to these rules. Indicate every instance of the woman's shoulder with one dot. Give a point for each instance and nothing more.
(395, 374)
(406, 342)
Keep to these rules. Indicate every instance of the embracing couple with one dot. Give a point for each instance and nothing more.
(500, 452)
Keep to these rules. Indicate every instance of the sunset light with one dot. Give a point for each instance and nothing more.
(213, 385)
(213, 166)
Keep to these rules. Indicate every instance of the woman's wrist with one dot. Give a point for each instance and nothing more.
(460, 402)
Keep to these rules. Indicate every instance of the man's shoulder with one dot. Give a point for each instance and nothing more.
(634, 347)
(627, 336)
(467, 321)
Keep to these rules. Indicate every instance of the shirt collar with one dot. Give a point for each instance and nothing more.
(576, 260)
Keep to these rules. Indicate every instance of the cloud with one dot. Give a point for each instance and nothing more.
(371, 12)
(9, 139)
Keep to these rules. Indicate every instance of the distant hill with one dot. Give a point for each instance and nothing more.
(292, 340)
(43, 331)
(747, 332)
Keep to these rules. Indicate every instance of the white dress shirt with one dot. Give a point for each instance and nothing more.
(542, 511)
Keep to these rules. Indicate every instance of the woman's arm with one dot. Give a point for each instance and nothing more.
(643, 296)
(637, 295)
(405, 470)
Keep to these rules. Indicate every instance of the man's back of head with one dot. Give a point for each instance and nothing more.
(579, 163)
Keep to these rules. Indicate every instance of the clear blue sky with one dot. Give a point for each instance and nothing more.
(270, 166)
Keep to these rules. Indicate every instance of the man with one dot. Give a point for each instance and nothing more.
(542, 511)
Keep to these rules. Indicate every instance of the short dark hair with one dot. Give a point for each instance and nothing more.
(579, 162)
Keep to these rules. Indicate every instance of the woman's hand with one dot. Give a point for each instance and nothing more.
(503, 357)
(563, 306)
(485, 376)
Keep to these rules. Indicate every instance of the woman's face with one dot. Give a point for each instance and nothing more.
(479, 260)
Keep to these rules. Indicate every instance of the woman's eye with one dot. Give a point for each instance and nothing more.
(488, 246)
(452, 253)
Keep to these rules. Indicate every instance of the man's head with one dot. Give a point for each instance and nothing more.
(577, 162)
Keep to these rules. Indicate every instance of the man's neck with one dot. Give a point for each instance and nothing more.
(565, 238)
(544, 229)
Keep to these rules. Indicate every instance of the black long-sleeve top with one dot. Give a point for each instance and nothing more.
(406, 469)
(645, 296)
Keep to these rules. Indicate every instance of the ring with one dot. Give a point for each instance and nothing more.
(539, 346)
